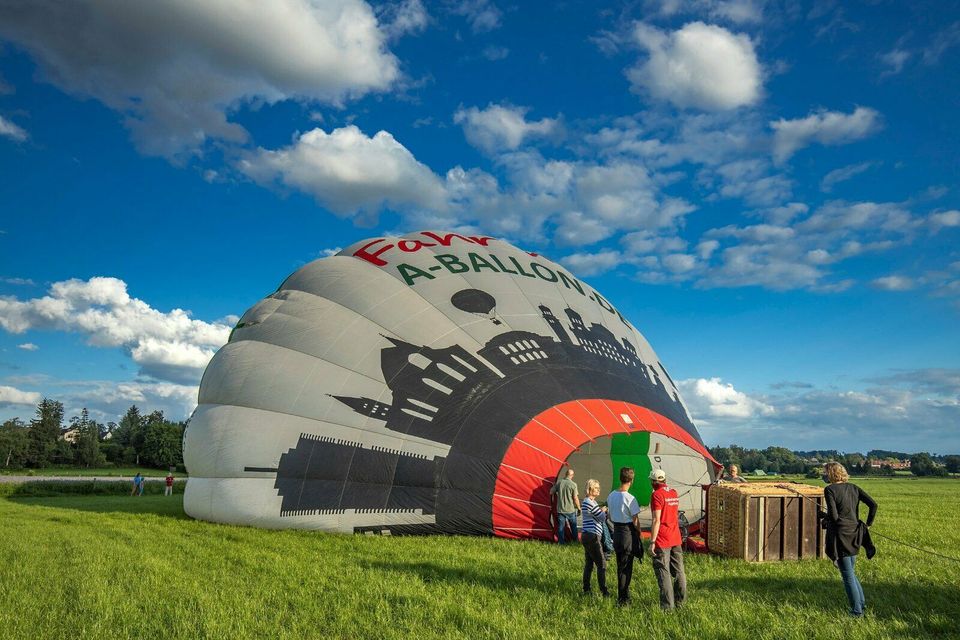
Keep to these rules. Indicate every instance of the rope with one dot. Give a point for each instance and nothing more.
(921, 549)
(877, 533)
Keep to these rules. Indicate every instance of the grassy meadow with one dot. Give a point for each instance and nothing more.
(112, 566)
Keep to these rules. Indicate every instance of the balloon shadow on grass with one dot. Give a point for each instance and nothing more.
(930, 609)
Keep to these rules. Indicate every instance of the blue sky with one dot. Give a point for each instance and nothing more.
(768, 190)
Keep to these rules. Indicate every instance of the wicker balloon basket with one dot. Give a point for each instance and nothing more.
(762, 522)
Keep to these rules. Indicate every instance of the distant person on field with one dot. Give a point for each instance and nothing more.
(846, 533)
(168, 491)
(734, 474)
(568, 503)
(624, 510)
(143, 482)
(666, 543)
(137, 480)
(594, 522)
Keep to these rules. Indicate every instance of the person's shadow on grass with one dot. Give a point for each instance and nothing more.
(932, 609)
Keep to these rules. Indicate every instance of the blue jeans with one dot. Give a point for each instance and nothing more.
(562, 520)
(852, 585)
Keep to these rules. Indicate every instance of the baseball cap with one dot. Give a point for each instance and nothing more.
(658, 475)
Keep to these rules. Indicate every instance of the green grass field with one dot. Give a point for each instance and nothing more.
(104, 472)
(121, 567)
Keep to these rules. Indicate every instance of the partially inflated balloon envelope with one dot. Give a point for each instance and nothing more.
(431, 383)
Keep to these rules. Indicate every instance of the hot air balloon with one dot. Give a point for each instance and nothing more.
(431, 383)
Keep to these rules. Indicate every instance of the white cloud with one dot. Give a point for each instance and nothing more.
(750, 180)
(922, 402)
(483, 15)
(176, 69)
(169, 346)
(824, 127)
(843, 174)
(709, 398)
(700, 66)
(347, 171)
(736, 11)
(26, 282)
(28, 346)
(942, 42)
(579, 203)
(943, 219)
(10, 130)
(13, 396)
(792, 248)
(894, 60)
(591, 264)
(403, 18)
(894, 283)
(501, 127)
(679, 262)
(494, 52)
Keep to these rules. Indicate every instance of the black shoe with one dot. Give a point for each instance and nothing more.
(606, 594)
(623, 603)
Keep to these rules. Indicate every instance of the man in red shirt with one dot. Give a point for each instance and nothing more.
(665, 542)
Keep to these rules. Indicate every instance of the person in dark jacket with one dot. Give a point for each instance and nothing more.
(846, 533)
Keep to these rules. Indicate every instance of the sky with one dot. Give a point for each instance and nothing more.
(768, 190)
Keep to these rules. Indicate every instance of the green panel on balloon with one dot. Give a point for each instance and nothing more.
(633, 450)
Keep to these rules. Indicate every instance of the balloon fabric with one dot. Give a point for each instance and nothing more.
(434, 383)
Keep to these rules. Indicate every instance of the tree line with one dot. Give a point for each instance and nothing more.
(783, 460)
(138, 439)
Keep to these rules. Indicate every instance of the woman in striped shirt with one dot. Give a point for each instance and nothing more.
(591, 536)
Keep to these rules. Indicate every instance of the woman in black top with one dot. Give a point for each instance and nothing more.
(845, 532)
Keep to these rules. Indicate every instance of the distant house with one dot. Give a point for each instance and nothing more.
(896, 465)
(70, 435)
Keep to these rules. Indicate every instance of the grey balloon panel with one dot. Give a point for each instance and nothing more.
(264, 376)
(211, 440)
(686, 470)
(323, 329)
(592, 461)
(378, 297)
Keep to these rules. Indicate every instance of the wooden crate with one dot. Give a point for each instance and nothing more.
(760, 522)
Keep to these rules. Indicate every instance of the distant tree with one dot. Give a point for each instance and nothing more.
(128, 437)
(921, 464)
(163, 445)
(45, 433)
(14, 443)
(86, 446)
(753, 460)
(883, 454)
(952, 463)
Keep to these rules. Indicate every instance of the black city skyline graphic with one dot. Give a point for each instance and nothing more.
(475, 403)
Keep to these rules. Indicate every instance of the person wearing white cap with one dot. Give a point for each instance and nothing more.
(666, 543)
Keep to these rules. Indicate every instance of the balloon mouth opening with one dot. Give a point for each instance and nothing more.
(595, 438)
